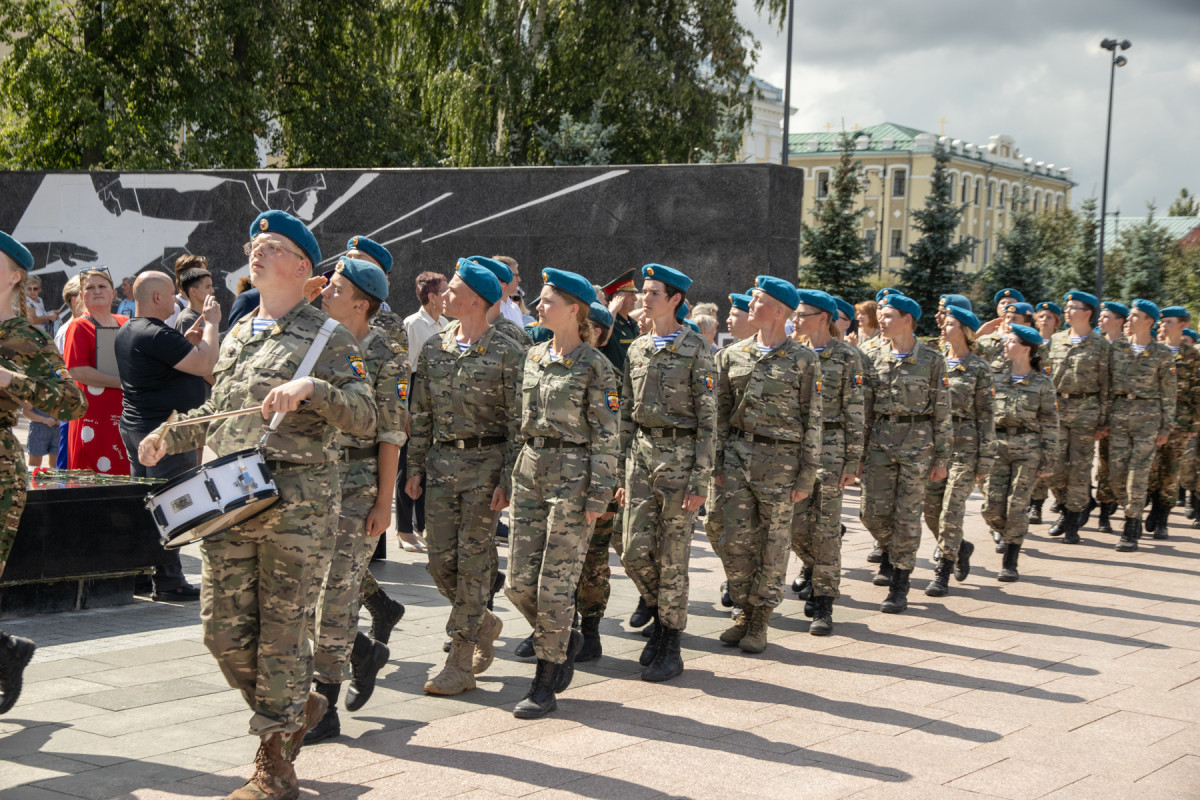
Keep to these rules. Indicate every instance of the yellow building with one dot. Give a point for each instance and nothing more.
(897, 163)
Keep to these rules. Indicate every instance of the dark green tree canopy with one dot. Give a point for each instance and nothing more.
(833, 242)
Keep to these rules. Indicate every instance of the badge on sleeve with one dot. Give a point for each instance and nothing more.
(709, 382)
(858, 378)
(945, 381)
(614, 402)
(356, 364)
(1046, 369)
(992, 389)
(402, 389)
(60, 371)
(1172, 369)
(818, 384)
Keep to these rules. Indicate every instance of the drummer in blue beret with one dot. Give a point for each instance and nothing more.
(1169, 459)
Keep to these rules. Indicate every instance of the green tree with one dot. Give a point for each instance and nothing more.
(931, 263)
(1185, 205)
(1181, 268)
(1016, 264)
(1067, 248)
(1141, 259)
(833, 244)
(577, 142)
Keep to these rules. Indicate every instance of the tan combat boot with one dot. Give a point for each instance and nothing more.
(740, 624)
(755, 640)
(456, 677)
(314, 711)
(485, 651)
(274, 777)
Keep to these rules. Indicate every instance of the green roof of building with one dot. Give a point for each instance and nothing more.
(1174, 227)
(828, 140)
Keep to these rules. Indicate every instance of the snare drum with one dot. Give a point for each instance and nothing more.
(209, 498)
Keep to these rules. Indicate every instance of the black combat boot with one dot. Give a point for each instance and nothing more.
(876, 555)
(641, 615)
(385, 613)
(1086, 514)
(940, 585)
(1057, 507)
(1071, 529)
(1008, 568)
(1104, 524)
(962, 564)
(726, 598)
(539, 700)
(1060, 525)
(1035, 512)
(329, 726)
(1130, 536)
(802, 586)
(592, 649)
(884, 576)
(1151, 521)
(1192, 505)
(1182, 496)
(366, 659)
(897, 599)
(810, 606)
(497, 585)
(667, 663)
(822, 624)
(566, 670)
(1164, 515)
(999, 540)
(524, 648)
(652, 647)
(15, 654)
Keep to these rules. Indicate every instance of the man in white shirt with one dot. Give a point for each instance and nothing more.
(507, 307)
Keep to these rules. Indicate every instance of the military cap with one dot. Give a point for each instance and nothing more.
(1011, 294)
(1117, 308)
(480, 279)
(1191, 333)
(621, 283)
(844, 308)
(572, 283)
(1027, 334)
(502, 271)
(1082, 297)
(691, 324)
(364, 275)
(740, 301)
(600, 315)
(1147, 308)
(1020, 308)
(902, 304)
(1175, 311)
(372, 248)
(668, 275)
(1046, 305)
(965, 316)
(818, 299)
(682, 312)
(959, 300)
(888, 292)
(289, 227)
(18, 252)
(779, 289)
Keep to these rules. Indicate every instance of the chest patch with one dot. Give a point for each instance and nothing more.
(356, 364)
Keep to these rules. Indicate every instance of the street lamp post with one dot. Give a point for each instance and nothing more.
(1111, 45)
(787, 85)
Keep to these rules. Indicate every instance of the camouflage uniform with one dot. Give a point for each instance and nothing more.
(591, 598)
(1026, 444)
(465, 411)
(1143, 392)
(668, 418)
(336, 620)
(1168, 459)
(48, 387)
(280, 555)
(990, 346)
(971, 409)
(392, 325)
(768, 443)
(909, 431)
(817, 519)
(513, 331)
(714, 504)
(567, 467)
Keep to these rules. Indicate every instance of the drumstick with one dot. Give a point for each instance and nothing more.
(211, 417)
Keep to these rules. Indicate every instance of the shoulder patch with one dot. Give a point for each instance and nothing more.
(945, 381)
(402, 388)
(1172, 369)
(709, 382)
(356, 364)
(60, 371)
(992, 389)
(858, 378)
(614, 402)
(1046, 369)
(817, 384)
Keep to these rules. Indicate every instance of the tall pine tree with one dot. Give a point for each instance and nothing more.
(1068, 248)
(1142, 253)
(833, 244)
(931, 264)
(1017, 265)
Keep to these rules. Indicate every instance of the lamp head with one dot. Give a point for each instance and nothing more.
(1121, 61)
(1109, 44)
(1126, 44)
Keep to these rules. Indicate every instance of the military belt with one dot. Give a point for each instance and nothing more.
(474, 443)
(1076, 395)
(546, 443)
(667, 433)
(275, 466)
(760, 439)
(909, 418)
(359, 453)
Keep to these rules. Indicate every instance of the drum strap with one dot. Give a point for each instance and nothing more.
(306, 365)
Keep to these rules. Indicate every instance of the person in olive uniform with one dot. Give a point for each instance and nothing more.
(1110, 325)
(1168, 459)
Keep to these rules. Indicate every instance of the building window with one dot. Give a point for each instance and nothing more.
(987, 251)
(990, 191)
(1057, 202)
(974, 252)
(1014, 200)
(822, 185)
(966, 187)
(1002, 188)
(899, 182)
(1035, 202)
(978, 187)
(897, 245)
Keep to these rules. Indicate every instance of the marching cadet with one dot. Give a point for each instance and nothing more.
(1078, 362)
(767, 457)
(990, 341)
(1111, 325)
(1164, 474)
(563, 480)
(367, 473)
(464, 412)
(969, 380)
(621, 295)
(816, 535)
(495, 318)
(1143, 396)
(668, 418)
(1188, 485)
(32, 373)
(1026, 441)
(909, 442)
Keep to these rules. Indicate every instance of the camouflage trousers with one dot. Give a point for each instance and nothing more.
(591, 598)
(1104, 489)
(369, 586)
(895, 474)
(1008, 487)
(1076, 447)
(259, 581)
(1165, 469)
(758, 519)
(460, 529)
(714, 519)
(335, 613)
(657, 531)
(1189, 477)
(547, 543)
(817, 529)
(13, 488)
(1132, 432)
(946, 501)
(1041, 490)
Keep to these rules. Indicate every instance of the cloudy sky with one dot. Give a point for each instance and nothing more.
(1030, 68)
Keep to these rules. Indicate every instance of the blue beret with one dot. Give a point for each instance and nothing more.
(600, 315)
(691, 325)
(1046, 305)
(779, 289)
(1175, 311)
(1020, 308)
(364, 275)
(502, 271)
(669, 276)
(903, 304)
(682, 312)
(882, 293)
(844, 308)
(965, 316)
(572, 283)
(1011, 294)
(1146, 307)
(16, 251)
(818, 299)
(740, 301)
(1027, 334)
(1116, 308)
(1191, 333)
(947, 300)
(288, 226)
(1082, 297)
(372, 248)
(480, 279)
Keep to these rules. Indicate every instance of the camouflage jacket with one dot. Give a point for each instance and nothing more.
(971, 407)
(1149, 375)
(386, 363)
(513, 331)
(842, 401)
(466, 395)
(1187, 393)
(47, 386)
(252, 365)
(990, 346)
(777, 394)
(913, 386)
(672, 388)
(1027, 416)
(575, 398)
(392, 326)
(1081, 373)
